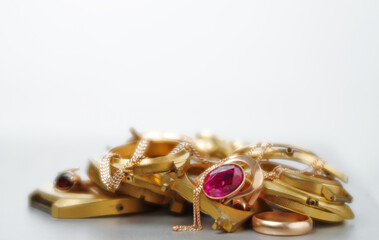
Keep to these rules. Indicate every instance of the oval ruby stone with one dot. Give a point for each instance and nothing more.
(64, 181)
(223, 180)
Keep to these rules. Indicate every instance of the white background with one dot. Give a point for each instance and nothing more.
(75, 75)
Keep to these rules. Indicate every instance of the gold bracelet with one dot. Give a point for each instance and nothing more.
(329, 188)
(229, 181)
(303, 209)
(162, 170)
(290, 152)
(302, 202)
(317, 195)
(282, 223)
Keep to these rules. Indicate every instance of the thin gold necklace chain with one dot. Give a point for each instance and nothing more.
(197, 226)
(279, 170)
(317, 165)
(188, 144)
(275, 173)
(113, 182)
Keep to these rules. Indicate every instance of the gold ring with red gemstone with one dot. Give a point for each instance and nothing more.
(238, 177)
(169, 169)
(67, 181)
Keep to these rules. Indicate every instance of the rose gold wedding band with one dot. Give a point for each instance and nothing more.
(282, 223)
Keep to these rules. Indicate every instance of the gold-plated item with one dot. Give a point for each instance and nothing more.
(230, 181)
(68, 181)
(89, 202)
(113, 182)
(139, 187)
(253, 191)
(316, 194)
(294, 153)
(315, 206)
(226, 217)
(282, 223)
(140, 179)
(329, 188)
(165, 173)
(249, 187)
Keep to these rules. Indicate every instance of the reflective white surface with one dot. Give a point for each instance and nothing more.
(75, 75)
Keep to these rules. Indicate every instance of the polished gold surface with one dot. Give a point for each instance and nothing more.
(159, 169)
(168, 184)
(151, 194)
(304, 209)
(289, 152)
(69, 176)
(313, 193)
(226, 217)
(250, 187)
(318, 196)
(253, 180)
(304, 202)
(91, 202)
(282, 223)
(162, 165)
(327, 187)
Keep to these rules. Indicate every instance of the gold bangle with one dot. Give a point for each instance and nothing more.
(148, 195)
(303, 209)
(163, 170)
(282, 223)
(309, 202)
(289, 152)
(327, 187)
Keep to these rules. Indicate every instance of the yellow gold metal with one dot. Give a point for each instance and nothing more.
(226, 218)
(213, 146)
(209, 145)
(226, 199)
(150, 193)
(252, 170)
(253, 179)
(280, 189)
(91, 202)
(327, 187)
(317, 195)
(297, 207)
(289, 152)
(74, 178)
(164, 175)
(167, 169)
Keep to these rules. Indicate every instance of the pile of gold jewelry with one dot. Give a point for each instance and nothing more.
(232, 182)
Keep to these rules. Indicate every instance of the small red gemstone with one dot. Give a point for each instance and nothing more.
(223, 180)
(64, 181)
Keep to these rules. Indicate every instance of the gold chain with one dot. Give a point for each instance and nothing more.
(275, 173)
(264, 146)
(318, 164)
(189, 145)
(197, 226)
(113, 182)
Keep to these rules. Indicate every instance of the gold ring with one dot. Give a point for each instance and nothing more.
(249, 187)
(282, 223)
(68, 181)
